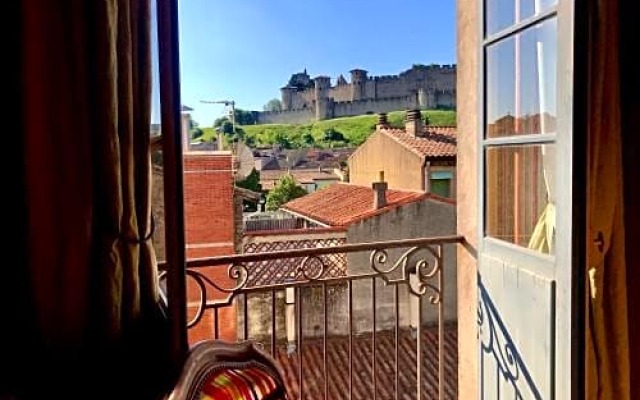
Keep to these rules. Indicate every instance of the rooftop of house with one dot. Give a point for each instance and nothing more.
(269, 178)
(435, 141)
(315, 158)
(337, 350)
(342, 204)
(246, 194)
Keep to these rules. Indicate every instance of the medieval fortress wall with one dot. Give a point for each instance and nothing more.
(305, 99)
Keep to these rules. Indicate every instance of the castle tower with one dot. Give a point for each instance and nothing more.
(323, 102)
(358, 82)
(286, 93)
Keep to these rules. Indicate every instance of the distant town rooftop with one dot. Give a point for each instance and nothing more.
(269, 178)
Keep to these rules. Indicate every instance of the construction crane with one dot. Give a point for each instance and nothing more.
(227, 103)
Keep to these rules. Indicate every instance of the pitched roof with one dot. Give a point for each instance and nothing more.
(342, 204)
(436, 142)
(269, 178)
(246, 194)
(316, 158)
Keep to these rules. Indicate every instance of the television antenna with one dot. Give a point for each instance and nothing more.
(243, 162)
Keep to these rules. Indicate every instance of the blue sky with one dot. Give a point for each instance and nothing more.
(245, 50)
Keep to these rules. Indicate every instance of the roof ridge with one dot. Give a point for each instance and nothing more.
(403, 144)
(426, 146)
(351, 203)
(370, 188)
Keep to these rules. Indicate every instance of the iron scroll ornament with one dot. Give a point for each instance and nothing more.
(425, 272)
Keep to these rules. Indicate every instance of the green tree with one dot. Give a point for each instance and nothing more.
(250, 141)
(282, 140)
(273, 105)
(285, 190)
(251, 182)
(227, 127)
(332, 135)
(308, 140)
(195, 132)
(243, 117)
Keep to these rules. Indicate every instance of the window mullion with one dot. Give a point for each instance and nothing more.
(537, 138)
(520, 26)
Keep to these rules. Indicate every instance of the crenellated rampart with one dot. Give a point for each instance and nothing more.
(424, 86)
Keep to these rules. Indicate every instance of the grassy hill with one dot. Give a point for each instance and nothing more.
(338, 132)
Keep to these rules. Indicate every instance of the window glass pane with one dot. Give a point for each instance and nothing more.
(442, 175)
(441, 187)
(519, 195)
(521, 82)
(501, 14)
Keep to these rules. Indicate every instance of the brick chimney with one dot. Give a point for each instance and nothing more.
(209, 201)
(383, 122)
(413, 124)
(380, 192)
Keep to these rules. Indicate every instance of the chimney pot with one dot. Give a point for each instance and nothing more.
(383, 122)
(413, 124)
(380, 192)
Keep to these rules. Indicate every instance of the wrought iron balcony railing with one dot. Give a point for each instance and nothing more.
(370, 320)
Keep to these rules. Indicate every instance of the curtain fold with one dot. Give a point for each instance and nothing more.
(87, 105)
(607, 340)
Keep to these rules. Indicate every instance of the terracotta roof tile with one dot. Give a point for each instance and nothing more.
(338, 366)
(342, 204)
(438, 141)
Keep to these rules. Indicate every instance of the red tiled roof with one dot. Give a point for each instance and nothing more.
(342, 204)
(437, 141)
(338, 366)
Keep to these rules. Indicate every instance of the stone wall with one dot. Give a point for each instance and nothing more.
(371, 106)
(299, 116)
(341, 93)
(260, 305)
(383, 93)
(272, 272)
(445, 99)
(303, 99)
(426, 218)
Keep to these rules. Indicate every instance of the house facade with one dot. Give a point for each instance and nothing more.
(309, 179)
(376, 213)
(417, 157)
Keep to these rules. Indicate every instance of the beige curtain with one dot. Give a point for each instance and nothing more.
(86, 113)
(543, 236)
(607, 340)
